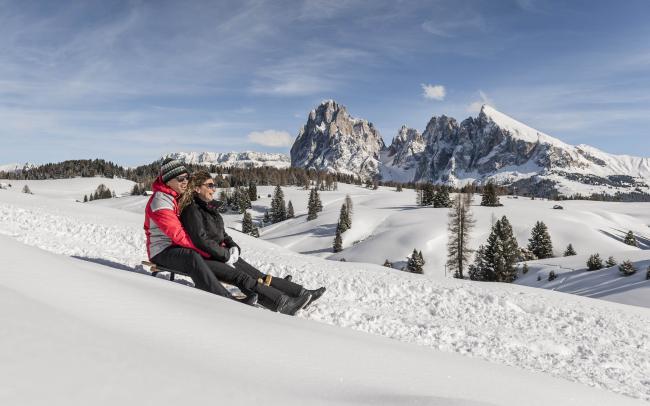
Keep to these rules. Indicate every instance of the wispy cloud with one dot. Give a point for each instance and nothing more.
(433, 92)
(475, 106)
(271, 138)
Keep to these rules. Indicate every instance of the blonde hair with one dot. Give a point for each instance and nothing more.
(197, 179)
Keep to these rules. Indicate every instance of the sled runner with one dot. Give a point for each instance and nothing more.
(156, 269)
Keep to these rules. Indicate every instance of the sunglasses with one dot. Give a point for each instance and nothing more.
(183, 178)
(210, 186)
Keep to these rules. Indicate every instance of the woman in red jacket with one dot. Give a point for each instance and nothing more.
(168, 244)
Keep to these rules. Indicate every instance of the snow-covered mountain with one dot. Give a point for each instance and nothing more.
(332, 140)
(495, 146)
(491, 146)
(246, 159)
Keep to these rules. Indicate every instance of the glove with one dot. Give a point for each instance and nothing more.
(234, 256)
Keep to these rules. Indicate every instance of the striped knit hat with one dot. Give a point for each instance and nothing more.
(172, 168)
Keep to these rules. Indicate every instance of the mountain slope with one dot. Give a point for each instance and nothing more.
(533, 329)
(246, 159)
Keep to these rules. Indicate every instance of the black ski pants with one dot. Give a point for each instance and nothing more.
(191, 262)
(283, 285)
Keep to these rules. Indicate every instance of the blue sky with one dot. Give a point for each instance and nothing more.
(130, 80)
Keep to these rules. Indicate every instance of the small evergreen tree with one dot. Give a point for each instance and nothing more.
(388, 264)
(256, 232)
(290, 213)
(627, 268)
(338, 241)
(490, 197)
(247, 223)
(551, 276)
(312, 206)
(319, 204)
(278, 207)
(267, 217)
(647, 273)
(569, 251)
(594, 262)
(398, 188)
(415, 263)
(610, 262)
(344, 223)
(524, 269)
(428, 194)
(540, 241)
(252, 191)
(441, 198)
(85, 198)
(496, 260)
(630, 239)
(27, 190)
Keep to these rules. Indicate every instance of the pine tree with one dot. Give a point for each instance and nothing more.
(247, 223)
(441, 198)
(459, 227)
(610, 262)
(524, 269)
(398, 188)
(415, 264)
(343, 219)
(551, 276)
(496, 260)
(85, 198)
(594, 262)
(278, 207)
(540, 241)
(338, 241)
(428, 194)
(627, 268)
(290, 213)
(267, 217)
(312, 206)
(388, 264)
(630, 239)
(252, 191)
(490, 197)
(569, 251)
(256, 232)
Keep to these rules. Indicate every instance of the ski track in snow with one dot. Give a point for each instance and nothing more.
(601, 345)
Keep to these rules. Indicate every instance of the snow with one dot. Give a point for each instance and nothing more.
(70, 189)
(79, 333)
(233, 159)
(119, 332)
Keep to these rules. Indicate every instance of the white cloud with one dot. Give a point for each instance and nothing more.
(271, 138)
(475, 106)
(434, 92)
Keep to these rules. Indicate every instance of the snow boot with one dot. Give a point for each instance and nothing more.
(315, 294)
(290, 305)
(288, 278)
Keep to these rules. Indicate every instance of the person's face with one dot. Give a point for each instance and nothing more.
(179, 183)
(206, 190)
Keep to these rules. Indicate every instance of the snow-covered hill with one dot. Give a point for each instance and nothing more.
(596, 343)
(70, 189)
(246, 159)
(79, 333)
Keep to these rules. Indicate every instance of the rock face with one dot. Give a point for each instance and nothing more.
(491, 146)
(334, 141)
(233, 159)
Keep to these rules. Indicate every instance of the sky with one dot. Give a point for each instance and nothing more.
(128, 81)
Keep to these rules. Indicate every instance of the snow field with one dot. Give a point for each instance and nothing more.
(596, 343)
(82, 333)
(70, 189)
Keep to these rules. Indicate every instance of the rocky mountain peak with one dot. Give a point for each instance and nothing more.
(333, 140)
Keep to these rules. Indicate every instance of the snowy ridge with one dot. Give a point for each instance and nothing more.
(233, 159)
(543, 331)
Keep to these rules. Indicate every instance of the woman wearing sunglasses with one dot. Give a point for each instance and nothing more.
(205, 227)
(168, 244)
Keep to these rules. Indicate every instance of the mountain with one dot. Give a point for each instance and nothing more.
(491, 146)
(14, 167)
(333, 140)
(233, 159)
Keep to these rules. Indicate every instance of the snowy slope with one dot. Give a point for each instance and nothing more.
(388, 225)
(592, 342)
(79, 333)
(70, 189)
